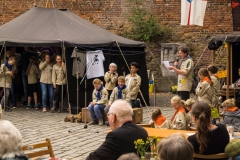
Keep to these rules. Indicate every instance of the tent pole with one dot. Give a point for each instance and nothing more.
(4, 89)
(228, 49)
(130, 70)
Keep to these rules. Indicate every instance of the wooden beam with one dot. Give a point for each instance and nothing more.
(228, 61)
(213, 57)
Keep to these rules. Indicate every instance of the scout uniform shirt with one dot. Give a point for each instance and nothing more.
(59, 75)
(185, 81)
(114, 95)
(133, 83)
(33, 74)
(178, 120)
(205, 92)
(46, 75)
(103, 94)
(110, 80)
(8, 82)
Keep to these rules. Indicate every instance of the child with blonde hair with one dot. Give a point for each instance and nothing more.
(232, 114)
(111, 78)
(159, 120)
(178, 120)
(99, 101)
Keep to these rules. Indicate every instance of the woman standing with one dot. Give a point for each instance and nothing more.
(209, 139)
(46, 82)
(58, 79)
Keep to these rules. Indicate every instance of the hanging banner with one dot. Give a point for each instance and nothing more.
(236, 14)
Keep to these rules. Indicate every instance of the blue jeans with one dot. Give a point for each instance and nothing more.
(25, 85)
(47, 88)
(96, 109)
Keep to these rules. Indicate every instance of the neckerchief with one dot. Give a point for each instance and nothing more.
(8, 66)
(120, 91)
(99, 92)
(184, 59)
(207, 80)
(160, 120)
(215, 75)
(180, 109)
(232, 109)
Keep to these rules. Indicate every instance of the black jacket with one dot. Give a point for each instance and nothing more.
(118, 142)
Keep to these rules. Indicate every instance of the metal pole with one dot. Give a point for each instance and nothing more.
(63, 58)
(77, 76)
(85, 101)
(4, 70)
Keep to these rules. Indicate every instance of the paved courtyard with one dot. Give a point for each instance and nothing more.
(70, 140)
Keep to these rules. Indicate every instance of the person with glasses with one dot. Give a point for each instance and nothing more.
(121, 139)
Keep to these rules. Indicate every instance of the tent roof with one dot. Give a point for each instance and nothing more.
(53, 27)
(230, 38)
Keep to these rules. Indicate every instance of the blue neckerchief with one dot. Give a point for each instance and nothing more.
(99, 92)
(184, 59)
(120, 91)
(8, 66)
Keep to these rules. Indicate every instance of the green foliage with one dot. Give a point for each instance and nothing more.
(144, 25)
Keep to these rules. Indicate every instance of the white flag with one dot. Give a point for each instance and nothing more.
(192, 12)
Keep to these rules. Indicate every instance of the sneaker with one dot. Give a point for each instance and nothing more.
(100, 121)
(36, 106)
(92, 123)
(28, 106)
(24, 103)
(14, 107)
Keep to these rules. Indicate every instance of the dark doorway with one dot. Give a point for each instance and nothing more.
(235, 61)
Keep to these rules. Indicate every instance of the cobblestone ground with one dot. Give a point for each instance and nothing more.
(36, 126)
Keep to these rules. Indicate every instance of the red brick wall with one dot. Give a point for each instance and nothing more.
(111, 15)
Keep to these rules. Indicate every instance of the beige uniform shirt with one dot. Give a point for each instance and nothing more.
(205, 93)
(133, 83)
(17, 60)
(3, 75)
(185, 81)
(33, 74)
(59, 75)
(103, 94)
(114, 95)
(46, 72)
(110, 80)
(216, 88)
(179, 121)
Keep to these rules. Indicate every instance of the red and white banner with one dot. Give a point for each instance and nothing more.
(192, 12)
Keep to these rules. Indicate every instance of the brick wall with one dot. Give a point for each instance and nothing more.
(111, 15)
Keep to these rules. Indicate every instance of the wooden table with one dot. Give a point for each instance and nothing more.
(163, 133)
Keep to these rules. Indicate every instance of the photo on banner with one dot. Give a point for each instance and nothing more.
(236, 14)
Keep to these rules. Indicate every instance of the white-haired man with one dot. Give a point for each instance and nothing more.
(121, 139)
(10, 142)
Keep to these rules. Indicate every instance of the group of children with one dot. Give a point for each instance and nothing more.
(127, 89)
(52, 77)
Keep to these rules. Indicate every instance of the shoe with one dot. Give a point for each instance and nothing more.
(107, 123)
(24, 103)
(54, 106)
(92, 123)
(100, 121)
(28, 106)
(7, 109)
(14, 107)
(36, 106)
(44, 110)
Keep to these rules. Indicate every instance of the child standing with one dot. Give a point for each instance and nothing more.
(159, 120)
(99, 101)
(133, 82)
(110, 78)
(212, 71)
(6, 78)
(33, 73)
(204, 90)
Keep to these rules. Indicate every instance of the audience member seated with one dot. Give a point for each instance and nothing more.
(175, 147)
(209, 139)
(188, 105)
(99, 101)
(10, 142)
(178, 120)
(159, 120)
(121, 139)
(237, 84)
(232, 114)
(129, 156)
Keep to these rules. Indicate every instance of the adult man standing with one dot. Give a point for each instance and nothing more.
(121, 139)
(183, 69)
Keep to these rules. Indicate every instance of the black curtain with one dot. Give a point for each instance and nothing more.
(111, 55)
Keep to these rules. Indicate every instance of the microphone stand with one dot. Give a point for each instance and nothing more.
(85, 126)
